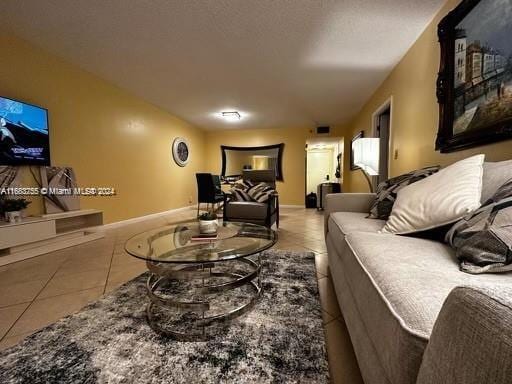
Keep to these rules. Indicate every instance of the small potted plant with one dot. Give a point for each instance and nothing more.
(208, 223)
(11, 208)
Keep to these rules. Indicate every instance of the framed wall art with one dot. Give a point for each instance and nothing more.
(474, 86)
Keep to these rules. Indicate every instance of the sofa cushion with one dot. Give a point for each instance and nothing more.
(399, 285)
(368, 360)
(347, 222)
(342, 223)
(494, 176)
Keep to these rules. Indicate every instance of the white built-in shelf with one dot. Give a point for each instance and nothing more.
(37, 235)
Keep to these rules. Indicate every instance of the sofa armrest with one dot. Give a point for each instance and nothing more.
(471, 342)
(346, 202)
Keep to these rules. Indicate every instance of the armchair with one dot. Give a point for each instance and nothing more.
(251, 211)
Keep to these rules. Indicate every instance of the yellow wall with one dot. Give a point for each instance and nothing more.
(412, 83)
(108, 136)
(292, 189)
(114, 139)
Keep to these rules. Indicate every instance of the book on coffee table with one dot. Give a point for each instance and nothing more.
(205, 237)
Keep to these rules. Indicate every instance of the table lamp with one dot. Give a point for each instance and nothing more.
(366, 157)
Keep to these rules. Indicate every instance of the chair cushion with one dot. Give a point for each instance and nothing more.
(246, 210)
(399, 285)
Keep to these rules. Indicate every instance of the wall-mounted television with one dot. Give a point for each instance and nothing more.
(24, 138)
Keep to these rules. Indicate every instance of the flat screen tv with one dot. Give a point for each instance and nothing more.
(24, 138)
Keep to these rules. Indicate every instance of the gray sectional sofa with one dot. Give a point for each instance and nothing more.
(412, 315)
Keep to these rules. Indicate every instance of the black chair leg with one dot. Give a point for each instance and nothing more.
(198, 204)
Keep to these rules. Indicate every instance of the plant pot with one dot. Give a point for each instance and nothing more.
(13, 217)
(208, 227)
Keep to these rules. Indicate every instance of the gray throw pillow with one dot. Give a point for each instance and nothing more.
(387, 191)
(483, 239)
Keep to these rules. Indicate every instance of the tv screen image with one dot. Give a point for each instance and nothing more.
(24, 138)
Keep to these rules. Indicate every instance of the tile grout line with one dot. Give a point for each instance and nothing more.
(13, 305)
(34, 299)
(44, 298)
(330, 321)
(110, 266)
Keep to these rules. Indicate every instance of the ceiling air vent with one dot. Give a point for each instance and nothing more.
(322, 130)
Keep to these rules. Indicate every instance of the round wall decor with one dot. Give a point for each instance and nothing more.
(180, 151)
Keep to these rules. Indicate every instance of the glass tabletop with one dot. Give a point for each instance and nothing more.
(176, 244)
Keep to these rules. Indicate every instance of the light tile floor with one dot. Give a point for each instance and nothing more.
(39, 291)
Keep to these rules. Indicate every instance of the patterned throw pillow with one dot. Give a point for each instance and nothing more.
(388, 190)
(248, 191)
(483, 239)
(243, 185)
(240, 195)
(261, 192)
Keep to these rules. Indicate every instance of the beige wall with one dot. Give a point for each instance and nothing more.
(291, 190)
(412, 84)
(108, 136)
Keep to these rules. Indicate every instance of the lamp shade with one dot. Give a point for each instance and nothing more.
(366, 154)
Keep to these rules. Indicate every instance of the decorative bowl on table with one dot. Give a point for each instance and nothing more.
(208, 224)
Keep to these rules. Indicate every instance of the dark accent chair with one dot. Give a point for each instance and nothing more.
(208, 190)
(253, 212)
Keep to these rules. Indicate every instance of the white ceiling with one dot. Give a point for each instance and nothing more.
(278, 62)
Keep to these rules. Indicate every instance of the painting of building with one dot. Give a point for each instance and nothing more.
(460, 58)
(482, 74)
(474, 63)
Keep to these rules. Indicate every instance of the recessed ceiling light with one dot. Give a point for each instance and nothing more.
(231, 116)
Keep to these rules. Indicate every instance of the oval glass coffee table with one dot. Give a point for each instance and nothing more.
(196, 286)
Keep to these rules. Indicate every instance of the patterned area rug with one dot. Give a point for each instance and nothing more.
(280, 341)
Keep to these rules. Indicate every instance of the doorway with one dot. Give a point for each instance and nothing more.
(382, 130)
(324, 162)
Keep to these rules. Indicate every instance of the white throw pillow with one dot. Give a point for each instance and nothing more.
(437, 200)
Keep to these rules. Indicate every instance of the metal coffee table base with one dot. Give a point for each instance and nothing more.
(161, 274)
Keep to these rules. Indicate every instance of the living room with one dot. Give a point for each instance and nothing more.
(114, 267)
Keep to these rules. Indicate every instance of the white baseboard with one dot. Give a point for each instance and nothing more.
(137, 219)
(117, 224)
